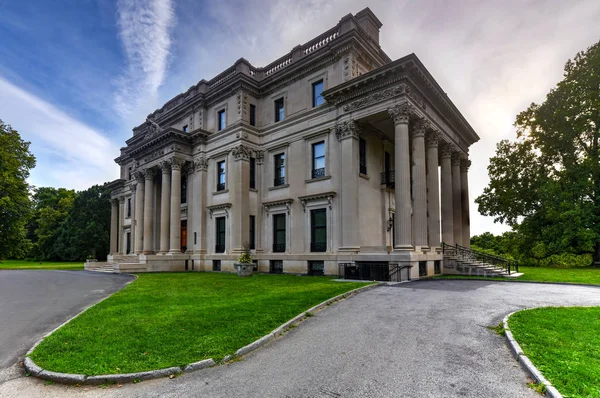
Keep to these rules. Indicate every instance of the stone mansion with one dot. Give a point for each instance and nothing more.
(332, 154)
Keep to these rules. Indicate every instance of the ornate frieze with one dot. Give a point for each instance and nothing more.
(201, 164)
(321, 196)
(347, 129)
(154, 155)
(401, 113)
(241, 152)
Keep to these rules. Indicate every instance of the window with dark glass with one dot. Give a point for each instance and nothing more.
(128, 244)
(216, 265)
(276, 267)
(221, 175)
(317, 93)
(362, 155)
(253, 173)
(437, 269)
(318, 230)
(278, 233)
(252, 115)
(279, 110)
(185, 128)
(422, 268)
(128, 207)
(279, 169)
(316, 268)
(318, 160)
(220, 235)
(252, 237)
(129, 176)
(222, 119)
(183, 189)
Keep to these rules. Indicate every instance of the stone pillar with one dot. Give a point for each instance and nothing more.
(114, 225)
(133, 187)
(165, 206)
(433, 191)
(120, 244)
(260, 172)
(400, 114)
(347, 134)
(447, 209)
(176, 165)
(464, 185)
(139, 212)
(148, 211)
(419, 184)
(199, 204)
(240, 187)
(456, 198)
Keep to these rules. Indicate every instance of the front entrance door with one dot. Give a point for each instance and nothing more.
(183, 236)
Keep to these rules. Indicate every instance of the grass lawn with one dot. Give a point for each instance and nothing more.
(172, 319)
(22, 264)
(587, 275)
(564, 344)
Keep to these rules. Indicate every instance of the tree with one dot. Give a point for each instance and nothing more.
(546, 184)
(15, 163)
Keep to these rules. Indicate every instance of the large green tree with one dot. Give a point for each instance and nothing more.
(546, 183)
(15, 163)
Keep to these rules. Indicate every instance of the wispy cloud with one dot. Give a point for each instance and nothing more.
(70, 153)
(145, 34)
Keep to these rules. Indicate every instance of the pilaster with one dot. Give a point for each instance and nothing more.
(175, 229)
(419, 184)
(165, 206)
(464, 186)
(114, 225)
(456, 198)
(199, 204)
(347, 134)
(433, 190)
(240, 187)
(121, 243)
(447, 207)
(148, 244)
(140, 192)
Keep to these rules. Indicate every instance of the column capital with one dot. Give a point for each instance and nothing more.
(349, 129)
(241, 152)
(165, 166)
(121, 199)
(114, 202)
(457, 158)
(138, 175)
(421, 128)
(149, 173)
(464, 165)
(400, 114)
(432, 139)
(133, 185)
(176, 163)
(448, 150)
(260, 157)
(201, 164)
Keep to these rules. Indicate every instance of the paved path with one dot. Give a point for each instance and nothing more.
(32, 303)
(424, 339)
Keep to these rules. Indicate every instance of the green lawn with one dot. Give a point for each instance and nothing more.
(587, 275)
(22, 264)
(564, 344)
(164, 320)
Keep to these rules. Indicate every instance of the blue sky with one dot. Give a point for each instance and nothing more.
(77, 75)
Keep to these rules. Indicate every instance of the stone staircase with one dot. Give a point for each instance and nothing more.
(465, 261)
(99, 266)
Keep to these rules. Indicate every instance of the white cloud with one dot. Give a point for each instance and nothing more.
(69, 153)
(145, 33)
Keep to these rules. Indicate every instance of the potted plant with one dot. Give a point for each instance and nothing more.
(244, 264)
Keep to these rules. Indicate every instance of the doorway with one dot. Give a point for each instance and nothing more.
(183, 236)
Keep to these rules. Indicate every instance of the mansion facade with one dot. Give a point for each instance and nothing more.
(332, 154)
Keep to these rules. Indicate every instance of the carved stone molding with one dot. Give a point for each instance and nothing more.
(447, 150)
(347, 129)
(260, 157)
(177, 163)
(133, 186)
(421, 128)
(457, 158)
(241, 152)
(165, 166)
(223, 206)
(283, 202)
(138, 175)
(121, 199)
(374, 98)
(432, 139)
(464, 165)
(321, 196)
(149, 173)
(201, 164)
(152, 128)
(400, 114)
(154, 155)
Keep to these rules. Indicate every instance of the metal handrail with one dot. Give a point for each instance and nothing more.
(476, 256)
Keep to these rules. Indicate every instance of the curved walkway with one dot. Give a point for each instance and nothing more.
(421, 339)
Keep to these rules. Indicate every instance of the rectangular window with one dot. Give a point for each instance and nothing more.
(437, 269)
(129, 176)
(183, 189)
(279, 161)
(128, 207)
(253, 173)
(255, 265)
(128, 247)
(318, 230)
(220, 235)
(317, 93)
(318, 160)
(316, 268)
(422, 268)
(279, 110)
(185, 128)
(278, 233)
(276, 267)
(362, 155)
(222, 119)
(252, 237)
(221, 176)
(216, 265)
(252, 115)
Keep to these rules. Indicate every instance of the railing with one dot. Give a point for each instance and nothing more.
(221, 77)
(320, 41)
(278, 64)
(278, 247)
(374, 271)
(474, 256)
(318, 246)
(388, 178)
(318, 173)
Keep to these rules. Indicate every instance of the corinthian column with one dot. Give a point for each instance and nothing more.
(419, 184)
(120, 244)
(175, 246)
(347, 134)
(165, 206)
(400, 114)
(139, 212)
(447, 209)
(464, 185)
(149, 211)
(456, 198)
(433, 190)
(114, 221)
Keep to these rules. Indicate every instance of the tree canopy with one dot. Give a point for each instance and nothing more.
(546, 183)
(16, 161)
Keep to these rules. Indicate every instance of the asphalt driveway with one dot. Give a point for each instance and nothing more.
(423, 339)
(32, 303)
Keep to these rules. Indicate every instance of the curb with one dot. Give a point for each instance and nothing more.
(69, 378)
(525, 362)
(505, 280)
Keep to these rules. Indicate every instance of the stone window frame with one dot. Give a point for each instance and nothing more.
(218, 109)
(220, 157)
(279, 95)
(323, 75)
(270, 160)
(216, 211)
(278, 207)
(309, 141)
(317, 202)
